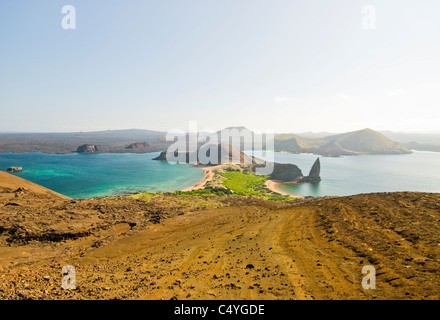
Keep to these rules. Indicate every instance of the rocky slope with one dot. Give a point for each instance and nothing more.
(168, 247)
(360, 142)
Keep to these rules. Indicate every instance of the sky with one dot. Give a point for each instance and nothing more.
(284, 65)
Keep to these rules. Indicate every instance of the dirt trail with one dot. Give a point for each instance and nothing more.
(261, 250)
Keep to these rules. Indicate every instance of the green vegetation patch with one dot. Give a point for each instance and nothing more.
(245, 184)
(248, 184)
(240, 183)
(144, 196)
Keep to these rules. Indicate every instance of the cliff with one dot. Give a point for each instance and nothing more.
(286, 172)
(87, 148)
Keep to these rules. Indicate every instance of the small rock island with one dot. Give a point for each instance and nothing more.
(287, 172)
(87, 148)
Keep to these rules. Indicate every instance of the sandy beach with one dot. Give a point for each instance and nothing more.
(209, 175)
(273, 186)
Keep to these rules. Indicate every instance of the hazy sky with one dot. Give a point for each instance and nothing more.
(286, 65)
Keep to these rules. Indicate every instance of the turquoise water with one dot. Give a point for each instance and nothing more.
(94, 175)
(419, 171)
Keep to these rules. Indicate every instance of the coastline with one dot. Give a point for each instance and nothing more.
(272, 185)
(209, 175)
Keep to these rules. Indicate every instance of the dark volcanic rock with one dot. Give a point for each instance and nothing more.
(286, 172)
(162, 156)
(314, 173)
(138, 145)
(87, 148)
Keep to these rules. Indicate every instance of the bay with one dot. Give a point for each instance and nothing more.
(342, 176)
(94, 175)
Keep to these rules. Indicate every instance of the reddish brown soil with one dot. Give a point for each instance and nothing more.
(217, 247)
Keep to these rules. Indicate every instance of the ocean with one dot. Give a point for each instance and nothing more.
(95, 175)
(102, 174)
(342, 176)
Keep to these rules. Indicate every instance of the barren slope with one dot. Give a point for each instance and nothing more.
(221, 247)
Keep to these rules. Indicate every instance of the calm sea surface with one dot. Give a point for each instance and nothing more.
(419, 171)
(93, 175)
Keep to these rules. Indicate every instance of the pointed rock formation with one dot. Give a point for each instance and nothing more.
(314, 173)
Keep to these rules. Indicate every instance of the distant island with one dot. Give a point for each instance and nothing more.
(362, 142)
(244, 164)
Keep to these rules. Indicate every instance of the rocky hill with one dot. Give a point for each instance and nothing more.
(111, 141)
(225, 154)
(217, 247)
(360, 142)
(14, 187)
(364, 141)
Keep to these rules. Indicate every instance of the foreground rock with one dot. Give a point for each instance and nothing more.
(244, 248)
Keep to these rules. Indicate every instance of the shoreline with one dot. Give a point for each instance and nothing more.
(272, 185)
(209, 175)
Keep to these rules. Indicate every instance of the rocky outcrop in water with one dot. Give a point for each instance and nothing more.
(87, 148)
(162, 156)
(314, 175)
(14, 169)
(286, 172)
